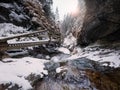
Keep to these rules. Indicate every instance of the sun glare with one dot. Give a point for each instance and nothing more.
(66, 6)
(71, 6)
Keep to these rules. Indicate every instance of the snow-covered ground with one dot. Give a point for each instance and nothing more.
(8, 29)
(16, 71)
(106, 56)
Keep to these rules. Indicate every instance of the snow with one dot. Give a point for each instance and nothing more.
(5, 79)
(55, 59)
(64, 50)
(6, 5)
(16, 71)
(8, 29)
(60, 57)
(47, 57)
(29, 41)
(107, 57)
(60, 69)
(70, 41)
(17, 17)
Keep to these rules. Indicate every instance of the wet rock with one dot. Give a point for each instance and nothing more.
(79, 74)
(17, 53)
(3, 87)
(101, 21)
(43, 50)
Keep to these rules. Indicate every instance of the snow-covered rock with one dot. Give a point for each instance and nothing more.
(8, 29)
(18, 71)
(69, 41)
(64, 50)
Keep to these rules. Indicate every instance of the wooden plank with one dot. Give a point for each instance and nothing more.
(21, 35)
(25, 44)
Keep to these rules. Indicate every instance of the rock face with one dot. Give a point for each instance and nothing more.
(79, 74)
(20, 13)
(11, 11)
(101, 21)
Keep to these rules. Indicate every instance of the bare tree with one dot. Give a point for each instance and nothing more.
(67, 24)
(73, 24)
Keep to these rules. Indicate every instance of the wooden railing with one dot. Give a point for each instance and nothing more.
(42, 33)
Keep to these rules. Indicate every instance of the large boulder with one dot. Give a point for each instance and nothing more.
(101, 21)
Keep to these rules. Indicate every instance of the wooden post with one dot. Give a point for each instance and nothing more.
(1, 55)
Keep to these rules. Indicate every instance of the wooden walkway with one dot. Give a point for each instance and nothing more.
(4, 46)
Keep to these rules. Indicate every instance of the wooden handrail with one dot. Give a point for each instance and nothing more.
(24, 44)
(21, 35)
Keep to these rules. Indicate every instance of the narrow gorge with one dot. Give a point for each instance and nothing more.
(86, 55)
